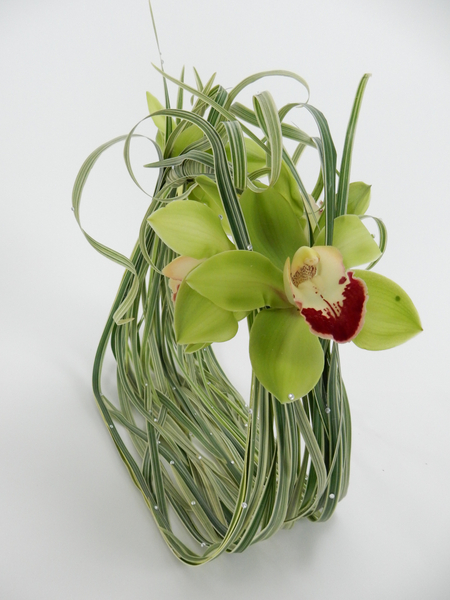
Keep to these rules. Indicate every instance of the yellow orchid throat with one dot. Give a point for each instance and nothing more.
(331, 299)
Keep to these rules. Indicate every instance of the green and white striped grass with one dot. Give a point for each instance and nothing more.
(232, 473)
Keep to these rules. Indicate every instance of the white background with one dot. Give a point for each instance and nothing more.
(74, 75)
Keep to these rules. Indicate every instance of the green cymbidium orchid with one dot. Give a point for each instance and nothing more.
(315, 296)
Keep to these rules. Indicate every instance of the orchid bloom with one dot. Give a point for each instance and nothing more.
(331, 299)
(301, 292)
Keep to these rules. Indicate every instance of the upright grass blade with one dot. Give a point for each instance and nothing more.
(238, 153)
(269, 122)
(168, 130)
(344, 173)
(327, 154)
(180, 96)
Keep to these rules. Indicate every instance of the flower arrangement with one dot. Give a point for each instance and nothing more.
(232, 233)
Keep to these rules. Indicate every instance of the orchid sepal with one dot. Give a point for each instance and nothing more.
(274, 228)
(200, 321)
(391, 319)
(353, 240)
(190, 228)
(358, 198)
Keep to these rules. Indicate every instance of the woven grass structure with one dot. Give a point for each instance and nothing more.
(233, 473)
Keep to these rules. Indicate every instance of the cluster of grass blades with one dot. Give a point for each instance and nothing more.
(232, 473)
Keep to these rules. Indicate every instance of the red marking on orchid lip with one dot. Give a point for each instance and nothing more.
(334, 313)
(175, 293)
(342, 280)
(346, 325)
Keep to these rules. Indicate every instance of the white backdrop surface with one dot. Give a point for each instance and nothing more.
(74, 75)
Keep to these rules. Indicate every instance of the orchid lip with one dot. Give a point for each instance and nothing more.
(331, 299)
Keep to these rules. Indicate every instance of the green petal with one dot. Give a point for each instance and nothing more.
(241, 314)
(211, 191)
(274, 229)
(288, 188)
(256, 157)
(199, 321)
(353, 241)
(153, 106)
(391, 318)
(286, 358)
(239, 280)
(358, 198)
(208, 193)
(190, 228)
(187, 136)
(160, 139)
(194, 348)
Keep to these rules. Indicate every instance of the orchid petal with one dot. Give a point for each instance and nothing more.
(353, 240)
(189, 348)
(199, 321)
(331, 299)
(287, 282)
(190, 228)
(391, 318)
(274, 229)
(180, 267)
(239, 280)
(177, 270)
(241, 314)
(286, 358)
